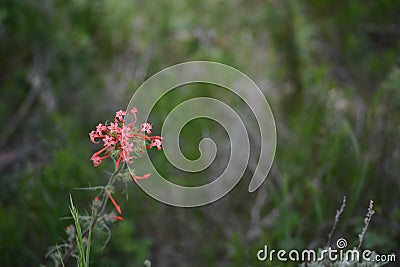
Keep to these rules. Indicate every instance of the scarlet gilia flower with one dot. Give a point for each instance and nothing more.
(156, 143)
(146, 127)
(117, 207)
(135, 178)
(122, 142)
(112, 217)
(119, 218)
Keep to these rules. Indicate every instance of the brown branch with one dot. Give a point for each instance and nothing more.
(19, 114)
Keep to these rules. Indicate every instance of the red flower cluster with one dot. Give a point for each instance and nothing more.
(122, 142)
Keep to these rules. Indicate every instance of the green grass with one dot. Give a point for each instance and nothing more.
(83, 259)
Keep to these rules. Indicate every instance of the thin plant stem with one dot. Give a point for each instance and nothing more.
(96, 214)
(367, 220)
(335, 222)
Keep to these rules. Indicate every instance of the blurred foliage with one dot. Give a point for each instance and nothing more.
(329, 69)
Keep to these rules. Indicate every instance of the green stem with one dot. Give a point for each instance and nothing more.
(97, 213)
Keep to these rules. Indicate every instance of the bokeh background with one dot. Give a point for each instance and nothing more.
(329, 69)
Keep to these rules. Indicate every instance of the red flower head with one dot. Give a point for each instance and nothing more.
(122, 142)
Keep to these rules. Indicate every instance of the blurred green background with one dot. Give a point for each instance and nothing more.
(330, 70)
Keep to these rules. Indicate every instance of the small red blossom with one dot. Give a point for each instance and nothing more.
(156, 143)
(114, 128)
(126, 132)
(120, 115)
(146, 127)
(128, 147)
(119, 218)
(93, 135)
(96, 160)
(109, 141)
(100, 128)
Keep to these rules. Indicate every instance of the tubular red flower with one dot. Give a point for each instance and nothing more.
(133, 112)
(92, 136)
(156, 137)
(96, 160)
(96, 156)
(117, 207)
(119, 218)
(142, 136)
(118, 162)
(99, 152)
(135, 178)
